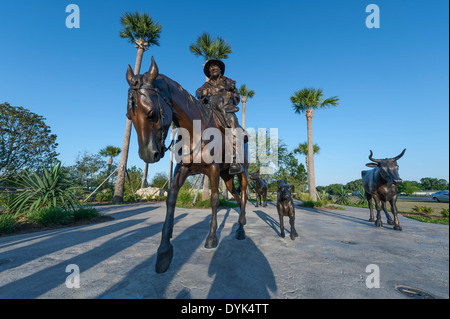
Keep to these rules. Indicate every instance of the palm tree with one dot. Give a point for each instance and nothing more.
(141, 30)
(245, 93)
(307, 100)
(303, 150)
(209, 48)
(111, 152)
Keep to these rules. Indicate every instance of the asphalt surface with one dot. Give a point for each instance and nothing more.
(338, 254)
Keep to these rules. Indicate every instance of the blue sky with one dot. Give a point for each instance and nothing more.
(392, 82)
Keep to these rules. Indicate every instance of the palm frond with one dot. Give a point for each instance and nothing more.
(210, 48)
(311, 98)
(245, 91)
(140, 26)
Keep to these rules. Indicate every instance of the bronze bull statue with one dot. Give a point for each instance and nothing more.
(380, 184)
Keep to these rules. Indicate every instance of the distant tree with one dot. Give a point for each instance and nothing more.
(160, 180)
(334, 189)
(86, 168)
(429, 183)
(134, 177)
(110, 152)
(408, 187)
(26, 141)
(354, 185)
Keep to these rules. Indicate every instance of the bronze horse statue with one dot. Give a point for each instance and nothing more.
(154, 102)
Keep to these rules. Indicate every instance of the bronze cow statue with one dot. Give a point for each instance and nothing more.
(380, 184)
(260, 189)
(285, 207)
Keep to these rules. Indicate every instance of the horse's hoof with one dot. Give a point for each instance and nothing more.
(240, 234)
(293, 236)
(163, 260)
(379, 223)
(398, 228)
(211, 242)
(391, 222)
(282, 234)
(371, 220)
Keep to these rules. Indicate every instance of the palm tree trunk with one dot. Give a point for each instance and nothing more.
(118, 191)
(144, 177)
(205, 191)
(310, 167)
(244, 101)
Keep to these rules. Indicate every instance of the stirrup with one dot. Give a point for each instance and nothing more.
(235, 168)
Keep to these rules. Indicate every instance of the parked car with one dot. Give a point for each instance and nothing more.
(441, 196)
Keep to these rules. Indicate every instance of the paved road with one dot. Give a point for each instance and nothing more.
(116, 259)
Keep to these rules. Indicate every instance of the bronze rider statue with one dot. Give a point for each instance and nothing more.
(220, 94)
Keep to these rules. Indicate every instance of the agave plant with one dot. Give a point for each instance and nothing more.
(362, 199)
(49, 189)
(342, 197)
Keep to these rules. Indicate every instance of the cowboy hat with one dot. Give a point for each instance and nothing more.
(208, 64)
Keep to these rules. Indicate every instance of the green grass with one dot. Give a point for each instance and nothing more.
(440, 221)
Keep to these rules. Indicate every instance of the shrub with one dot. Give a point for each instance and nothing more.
(99, 198)
(8, 223)
(422, 209)
(84, 214)
(185, 197)
(444, 212)
(308, 203)
(317, 203)
(48, 216)
(50, 189)
(305, 197)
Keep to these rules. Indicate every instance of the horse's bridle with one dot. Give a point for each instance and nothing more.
(132, 91)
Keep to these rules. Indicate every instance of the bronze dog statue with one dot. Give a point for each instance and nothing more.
(260, 189)
(285, 207)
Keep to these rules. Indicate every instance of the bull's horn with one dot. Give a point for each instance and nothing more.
(372, 159)
(400, 155)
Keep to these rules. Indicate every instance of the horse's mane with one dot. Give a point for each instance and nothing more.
(190, 105)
